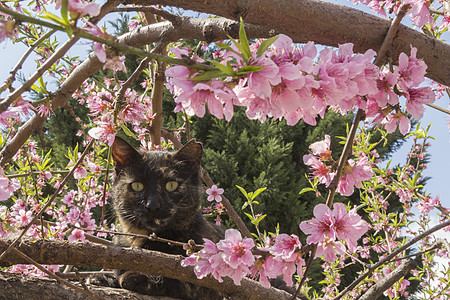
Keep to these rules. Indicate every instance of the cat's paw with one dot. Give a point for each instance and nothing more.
(136, 282)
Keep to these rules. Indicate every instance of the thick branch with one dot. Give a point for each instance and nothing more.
(137, 259)
(15, 286)
(327, 24)
(377, 290)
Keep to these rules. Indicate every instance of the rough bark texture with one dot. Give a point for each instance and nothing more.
(327, 24)
(377, 290)
(19, 287)
(137, 259)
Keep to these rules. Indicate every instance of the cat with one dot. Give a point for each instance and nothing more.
(160, 192)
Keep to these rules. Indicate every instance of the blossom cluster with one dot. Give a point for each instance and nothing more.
(330, 225)
(296, 84)
(323, 168)
(233, 256)
(108, 111)
(419, 10)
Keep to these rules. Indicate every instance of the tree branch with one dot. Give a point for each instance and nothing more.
(136, 259)
(391, 256)
(204, 29)
(377, 290)
(16, 286)
(336, 25)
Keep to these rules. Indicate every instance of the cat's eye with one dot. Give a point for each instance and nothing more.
(171, 186)
(137, 186)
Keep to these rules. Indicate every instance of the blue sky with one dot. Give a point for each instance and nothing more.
(440, 147)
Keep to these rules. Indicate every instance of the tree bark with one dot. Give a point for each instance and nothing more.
(19, 287)
(136, 259)
(377, 290)
(326, 24)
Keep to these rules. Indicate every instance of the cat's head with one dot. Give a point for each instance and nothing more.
(156, 190)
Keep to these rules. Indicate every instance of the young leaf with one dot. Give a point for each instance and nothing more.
(244, 41)
(56, 19)
(225, 69)
(64, 11)
(208, 75)
(244, 192)
(265, 45)
(128, 131)
(257, 192)
(247, 69)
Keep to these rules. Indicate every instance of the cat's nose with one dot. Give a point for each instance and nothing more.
(152, 203)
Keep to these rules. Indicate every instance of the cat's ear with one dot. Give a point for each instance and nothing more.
(191, 152)
(123, 153)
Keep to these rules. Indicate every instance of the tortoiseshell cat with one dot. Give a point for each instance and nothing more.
(160, 192)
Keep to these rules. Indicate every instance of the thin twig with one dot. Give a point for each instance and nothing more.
(49, 201)
(60, 52)
(349, 143)
(377, 290)
(157, 98)
(439, 108)
(391, 256)
(19, 64)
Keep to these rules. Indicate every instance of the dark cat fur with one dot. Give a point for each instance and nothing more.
(172, 215)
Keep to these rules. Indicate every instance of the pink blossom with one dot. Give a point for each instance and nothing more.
(7, 186)
(116, 63)
(322, 148)
(349, 225)
(399, 119)
(80, 8)
(104, 132)
(24, 217)
(328, 248)
(329, 225)
(416, 98)
(420, 13)
(79, 173)
(319, 169)
(237, 251)
(6, 29)
(321, 226)
(214, 193)
(76, 235)
(353, 175)
(427, 204)
(411, 70)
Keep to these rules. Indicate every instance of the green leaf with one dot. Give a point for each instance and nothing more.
(239, 46)
(250, 216)
(208, 75)
(225, 69)
(304, 190)
(247, 69)
(56, 19)
(128, 131)
(244, 192)
(244, 41)
(265, 45)
(228, 48)
(64, 11)
(244, 206)
(257, 192)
